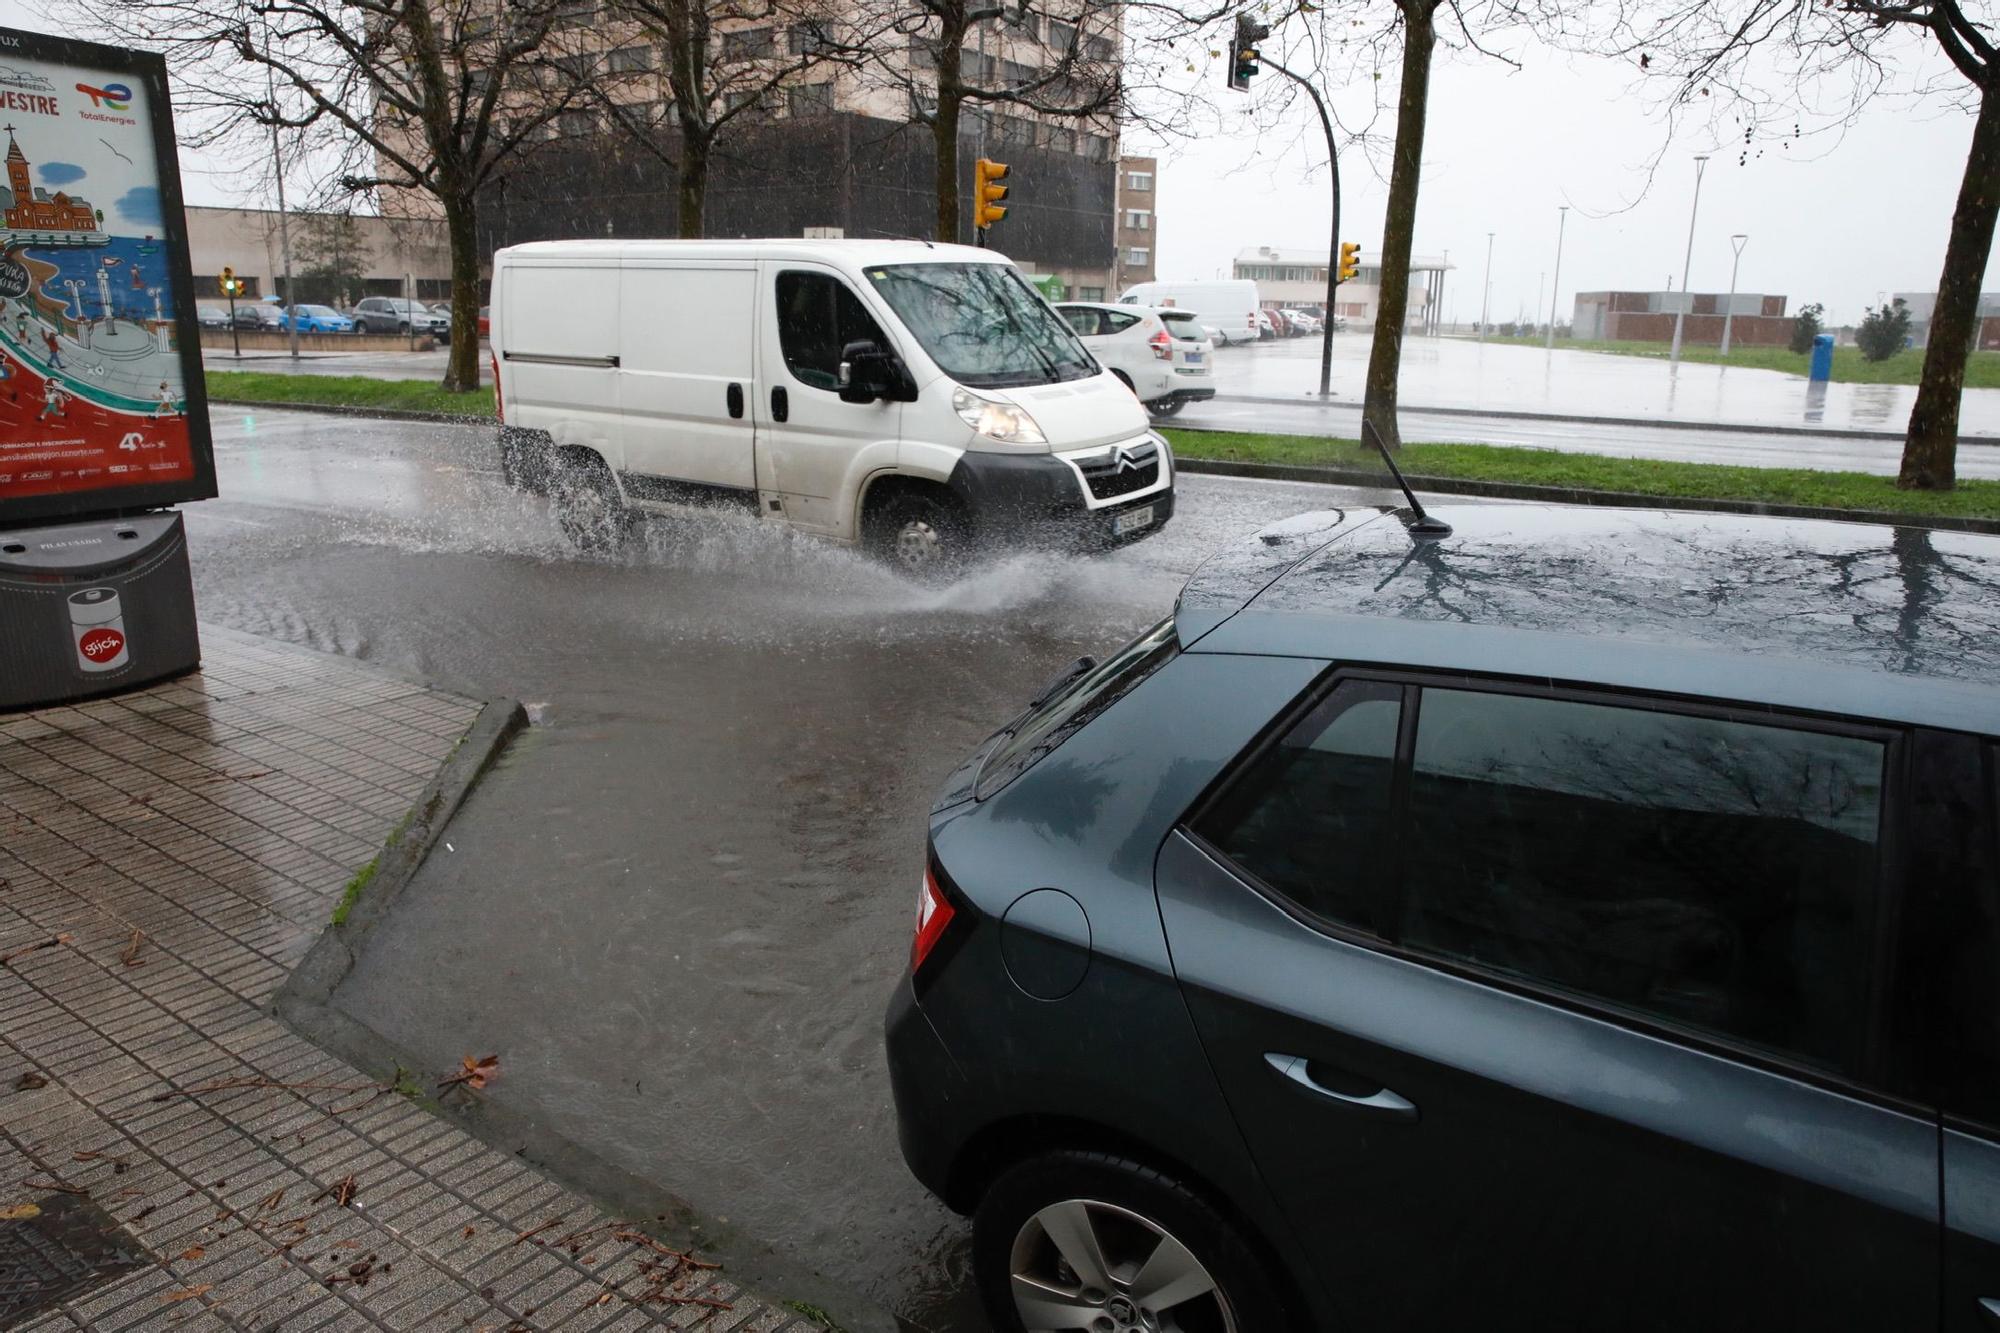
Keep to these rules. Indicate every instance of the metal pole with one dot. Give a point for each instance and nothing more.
(1555, 293)
(1333, 239)
(1486, 297)
(291, 298)
(1437, 324)
(1687, 264)
(1739, 240)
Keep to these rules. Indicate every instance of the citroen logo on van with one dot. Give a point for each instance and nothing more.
(1121, 461)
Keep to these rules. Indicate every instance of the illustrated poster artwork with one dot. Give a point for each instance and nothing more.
(91, 389)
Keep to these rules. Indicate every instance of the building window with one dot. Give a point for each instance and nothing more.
(922, 54)
(1014, 73)
(574, 13)
(1095, 147)
(810, 39)
(1062, 36)
(1030, 25)
(810, 99)
(749, 44)
(576, 124)
(1138, 257)
(975, 65)
(1062, 140)
(1139, 180)
(1099, 48)
(1138, 219)
(1090, 293)
(634, 60)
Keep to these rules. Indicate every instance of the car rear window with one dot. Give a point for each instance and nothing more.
(1047, 724)
(1184, 327)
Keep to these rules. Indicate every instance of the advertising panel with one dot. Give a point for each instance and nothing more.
(102, 408)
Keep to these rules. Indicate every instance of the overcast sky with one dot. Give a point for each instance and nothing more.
(1837, 218)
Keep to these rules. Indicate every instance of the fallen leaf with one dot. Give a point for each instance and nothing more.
(19, 1212)
(130, 955)
(473, 1073)
(51, 942)
(29, 1081)
(467, 1233)
(194, 1252)
(185, 1293)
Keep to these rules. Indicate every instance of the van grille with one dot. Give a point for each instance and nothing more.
(1121, 470)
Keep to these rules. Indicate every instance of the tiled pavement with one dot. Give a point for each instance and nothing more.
(173, 853)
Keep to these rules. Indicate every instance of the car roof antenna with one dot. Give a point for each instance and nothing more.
(1426, 527)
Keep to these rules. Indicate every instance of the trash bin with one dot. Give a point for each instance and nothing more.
(88, 608)
(1822, 357)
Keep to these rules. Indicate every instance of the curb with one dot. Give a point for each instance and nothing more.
(305, 1004)
(1641, 423)
(1503, 490)
(352, 410)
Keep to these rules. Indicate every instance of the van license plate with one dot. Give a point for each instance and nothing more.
(1132, 520)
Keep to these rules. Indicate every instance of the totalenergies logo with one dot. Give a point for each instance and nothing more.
(112, 96)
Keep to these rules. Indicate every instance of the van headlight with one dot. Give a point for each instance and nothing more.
(996, 420)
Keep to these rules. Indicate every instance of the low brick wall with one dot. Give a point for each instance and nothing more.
(219, 340)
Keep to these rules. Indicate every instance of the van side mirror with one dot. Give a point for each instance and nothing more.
(867, 373)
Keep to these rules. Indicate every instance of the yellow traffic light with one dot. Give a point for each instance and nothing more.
(1350, 261)
(987, 192)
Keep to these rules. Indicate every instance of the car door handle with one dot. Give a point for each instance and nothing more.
(1990, 1307)
(734, 397)
(1382, 1101)
(781, 403)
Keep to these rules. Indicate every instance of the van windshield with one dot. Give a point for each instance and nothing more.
(982, 324)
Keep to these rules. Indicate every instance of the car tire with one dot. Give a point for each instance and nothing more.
(1134, 1212)
(402, 328)
(920, 535)
(1166, 407)
(588, 508)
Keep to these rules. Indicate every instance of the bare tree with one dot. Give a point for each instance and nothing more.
(695, 68)
(1760, 61)
(426, 98)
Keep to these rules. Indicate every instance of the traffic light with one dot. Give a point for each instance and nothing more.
(230, 284)
(1243, 51)
(1350, 261)
(987, 192)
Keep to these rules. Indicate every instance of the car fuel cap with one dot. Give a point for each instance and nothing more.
(1045, 943)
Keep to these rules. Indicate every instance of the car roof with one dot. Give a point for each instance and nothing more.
(1853, 619)
(854, 253)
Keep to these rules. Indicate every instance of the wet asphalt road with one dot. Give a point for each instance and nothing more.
(677, 906)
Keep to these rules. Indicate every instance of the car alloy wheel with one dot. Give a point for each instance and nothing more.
(1090, 1265)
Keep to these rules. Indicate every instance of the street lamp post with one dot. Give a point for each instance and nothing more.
(1739, 240)
(1555, 293)
(1486, 297)
(1687, 263)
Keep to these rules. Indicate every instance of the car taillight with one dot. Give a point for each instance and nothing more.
(1163, 345)
(499, 402)
(934, 913)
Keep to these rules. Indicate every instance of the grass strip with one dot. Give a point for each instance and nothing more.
(1598, 472)
(258, 386)
(1849, 366)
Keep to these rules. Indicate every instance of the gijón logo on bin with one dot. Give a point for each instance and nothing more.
(97, 621)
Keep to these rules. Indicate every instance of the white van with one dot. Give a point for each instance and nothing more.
(919, 398)
(1228, 305)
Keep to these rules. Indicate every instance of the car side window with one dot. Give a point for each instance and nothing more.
(1714, 873)
(1117, 321)
(1082, 320)
(1972, 987)
(1310, 817)
(818, 315)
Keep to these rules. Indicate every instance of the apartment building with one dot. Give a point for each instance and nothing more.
(832, 147)
(1138, 223)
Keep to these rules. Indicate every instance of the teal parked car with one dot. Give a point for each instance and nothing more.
(318, 319)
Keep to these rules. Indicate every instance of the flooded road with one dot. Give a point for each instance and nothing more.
(676, 907)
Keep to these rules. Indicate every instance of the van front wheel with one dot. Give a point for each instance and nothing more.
(920, 535)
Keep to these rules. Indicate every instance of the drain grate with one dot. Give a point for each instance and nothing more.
(71, 1247)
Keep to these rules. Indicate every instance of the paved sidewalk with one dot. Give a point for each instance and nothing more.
(166, 857)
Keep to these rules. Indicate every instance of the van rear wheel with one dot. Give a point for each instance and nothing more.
(589, 510)
(920, 535)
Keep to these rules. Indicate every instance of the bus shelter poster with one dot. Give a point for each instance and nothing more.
(97, 339)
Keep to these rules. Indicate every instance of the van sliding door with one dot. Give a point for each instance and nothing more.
(687, 380)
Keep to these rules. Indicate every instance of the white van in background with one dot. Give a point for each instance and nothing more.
(922, 399)
(1228, 305)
